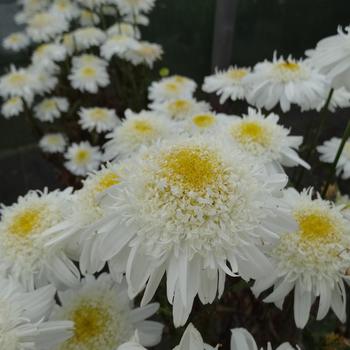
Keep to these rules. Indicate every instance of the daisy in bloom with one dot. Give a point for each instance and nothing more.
(44, 26)
(174, 87)
(93, 4)
(180, 109)
(99, 119)
(329, 151)
(136, 130)
(23, 236)
(16, 41)
(117, 44)
(104, 316)
(66, 8)
(33, 6)
(126, 29)
(135, 6)
(47, 54)
(203, 123)
(187, 207)
(311, 257)
(53, 143)
(51, 108)
(144, 53)
(23, 314)
(82, 158)
(331, 57)
(262, 137)
(227, 84)
(89, 76)
(286, 82)
(88, 37)
(46, 77)
(88, 18)
(136, 19)
(12, 107)
(340, 99)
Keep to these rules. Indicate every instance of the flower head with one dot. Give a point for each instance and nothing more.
(12, 107)
(50, 109)
(16, 41)
(53, 143)
(99, 119)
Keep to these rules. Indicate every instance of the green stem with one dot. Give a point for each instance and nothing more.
(38, 133)
(346, 136)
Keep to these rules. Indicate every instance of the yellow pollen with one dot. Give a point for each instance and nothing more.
(179, 106)
(147, 50)
(142, 126)
(237, 74)
(41, 20)
(14, 100)
(41, 49)
(203, 120)
(14, 38)
(24, 224)
(98, 114)
(17, 79)
(88, 72)
(108, 180)
(290, 66)
(179, 79)
(251, 131)
(48, 105)
(172, 87)
(82, 156)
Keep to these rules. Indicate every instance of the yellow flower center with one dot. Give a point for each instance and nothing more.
(172, 87)
(14, 100)
(82, 156)
(54, 139)
(41, 49)
(25, 223)
(179, 79)
(88, 72)
(98, 114)
(203, 120)
(289, 66)
(108, 180)
(251, 131)
(237, 74)
(14, 38)
(17, 79)
(179, 106)
(41, 20)
(49, 105)
(142, 126)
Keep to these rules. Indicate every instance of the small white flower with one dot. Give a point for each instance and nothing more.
(93, 4)
(46, 54)
(202, 123)
(88, 37)
(12, 107)
(51, 108)
(46, 78)
(144, 52)
(121, 28)
(117, 44)
(82, 158)
(66, 8)
(99, 119)
(88, 59)
(329, 151)
(88, 18)
(16, 41)
(53, 143)
(227, 84)
(127, 7)
(286, 82)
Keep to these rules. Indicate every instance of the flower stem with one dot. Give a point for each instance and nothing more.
(346, 136)
(30, 119)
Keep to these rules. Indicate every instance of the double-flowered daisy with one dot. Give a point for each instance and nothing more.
(311, 256)
(12, 107)
(53, 143)
(136, 130)
(82, 158)
(98, 119)
(88, 37)
(104, 317)
(262, 137)
(16, 41)
(23, 322)
(328, 152)
(50, 109)
(189, 207)
(24, 227)
(144, 52)
(227, 84)
(285, 82)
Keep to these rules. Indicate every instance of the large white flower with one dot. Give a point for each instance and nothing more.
(12, 107)
(188, 207)
(311, 257)
(104, 316)
(53, 143)
(144, 53)
(51, 108)
(88, 37)
(22, 318)
(329, 151)
(16, 41)
(23, 237)
(97, 118)
(286, 82)
(227, 84)
(262, 137)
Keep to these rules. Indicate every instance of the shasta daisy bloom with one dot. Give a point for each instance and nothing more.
(88, 59)
(23, 237)
(104, 317)
(88, 37)
(65, 8)
(46, 78)
(203, 123)
(286, 82)
(263, 138)
(33, 6)
(53, 143)
(47, 54)
(136, 19)
(228, 84)
(117, 44)
(51, 108)
(135, 6)
(126, 29)
(340, 99)
(180, 109)
(88, 18)
(311, 256)
(174, 87)
(97, 118)
(136, 130)
(144, 53)
(12, 107)
(328, 152)
(188, 207)
(82, 158)
(44, 26)
(23, 314)
(16, 41)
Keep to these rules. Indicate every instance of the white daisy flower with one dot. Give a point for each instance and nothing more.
(136, 19)
(33, 6)
(44, 26)
(121, 28)
(144, 53)
(51, 108)
(340, 99)
(203, 123)
(331, 57)
(127, 7)
(228, 84)
(66, 8)
(82, 158)
(174, 87)
(329, 151)
(136, 130)
(88, 59)
(88, 37)
(46, 54)
(46, 78)
(23, 322)
(16, 41)
(88, 18)
(180, 109)
(311, 257)
(286, 82)
(53, 143)
(104, 316)
(68, 42)
(99, 119)
(12, 107)
(117, 45)
(263, 138)
(23, 238)
(187, 208)
(93, 4)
